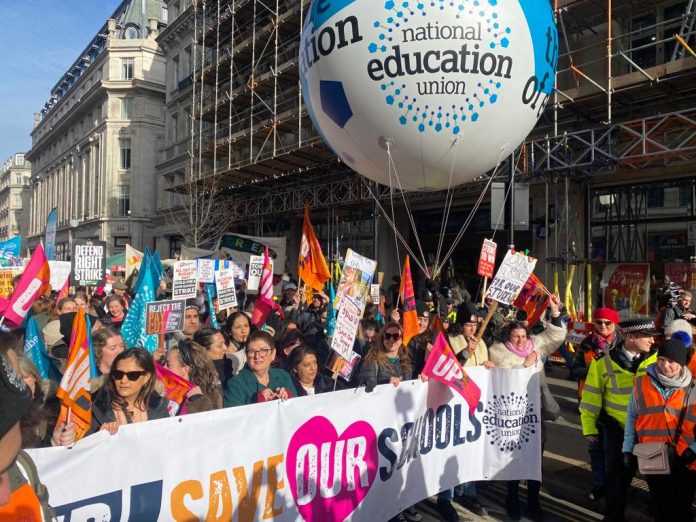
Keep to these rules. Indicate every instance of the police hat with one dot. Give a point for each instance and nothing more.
(645, 326)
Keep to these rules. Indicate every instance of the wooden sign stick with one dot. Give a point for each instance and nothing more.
(485, 322)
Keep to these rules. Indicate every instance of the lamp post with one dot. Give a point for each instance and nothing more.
(130, 239)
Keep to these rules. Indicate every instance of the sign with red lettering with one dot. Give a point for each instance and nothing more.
(486, 266)
(349, 316)
(627, 287)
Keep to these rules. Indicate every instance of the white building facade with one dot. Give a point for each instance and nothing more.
(14, 197)
(95, 144)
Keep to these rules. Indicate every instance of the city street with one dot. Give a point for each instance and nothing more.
(566, 471)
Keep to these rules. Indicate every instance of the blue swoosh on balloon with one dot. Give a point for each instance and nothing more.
(322, 12)
(540, 20)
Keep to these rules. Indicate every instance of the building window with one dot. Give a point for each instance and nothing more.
(125, 144)
(19, 159)
(123, 200)
(127, 66)
(175, 128)
(176, 73)
(126, 108)
(17, 201)
(18, 179)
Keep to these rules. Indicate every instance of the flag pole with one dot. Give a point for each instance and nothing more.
(485, 289)
(487, 320)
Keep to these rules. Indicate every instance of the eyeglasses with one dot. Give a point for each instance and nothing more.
(118, 375)
(263, 352)
(599, 322)
(389, 336)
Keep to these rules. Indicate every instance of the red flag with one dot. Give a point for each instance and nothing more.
(35, 282)
(175, 389)
(264, 304)
(442, 365)
(74, 391)
(533, 299)
(436, 325)
(311, 266)
(408, 302)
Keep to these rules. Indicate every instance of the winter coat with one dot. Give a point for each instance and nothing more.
(371, 374)
(102, 411)
(459, 344)
(244, 387)
(322, 384)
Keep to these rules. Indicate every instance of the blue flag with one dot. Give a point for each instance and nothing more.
(210, 292)
(158, 263)
(34, 348)
(133, 329)
(332, 313)
(11, 248)
(93, 368)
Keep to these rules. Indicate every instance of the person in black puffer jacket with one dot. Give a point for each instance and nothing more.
(303, 367)
(388, 361)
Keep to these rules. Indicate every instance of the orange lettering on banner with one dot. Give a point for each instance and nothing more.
(274, 485)
(191, 488)
(220, 497)
(248, 500)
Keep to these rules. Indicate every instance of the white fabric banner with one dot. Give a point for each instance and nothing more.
(320, 458)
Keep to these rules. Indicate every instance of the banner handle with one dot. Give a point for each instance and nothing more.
(485, 289)
(485, 322)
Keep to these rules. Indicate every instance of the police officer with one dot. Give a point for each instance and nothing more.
(605, 400)
(429, 300)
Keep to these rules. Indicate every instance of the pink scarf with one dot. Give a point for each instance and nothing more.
(524, 352)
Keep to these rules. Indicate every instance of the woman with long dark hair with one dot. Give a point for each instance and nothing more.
(213, 342)
(189, 360)
(236, 330)
(388, 361)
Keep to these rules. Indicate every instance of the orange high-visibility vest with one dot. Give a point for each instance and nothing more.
(589, 356)
(657, 420)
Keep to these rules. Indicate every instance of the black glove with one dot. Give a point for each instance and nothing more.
(687, 457)
(369, 386)
(630, 461)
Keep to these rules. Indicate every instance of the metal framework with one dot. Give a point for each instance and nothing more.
(625, 100)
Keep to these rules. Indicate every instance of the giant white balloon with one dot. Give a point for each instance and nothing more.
(445, 85)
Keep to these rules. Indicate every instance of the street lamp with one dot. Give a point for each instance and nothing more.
(130, 239)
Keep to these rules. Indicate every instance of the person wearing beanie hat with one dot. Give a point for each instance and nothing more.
(420, 344)
(658, 403)
(22, 496)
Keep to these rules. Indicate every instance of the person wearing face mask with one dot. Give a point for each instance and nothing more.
(662, 410)
(604, 338)
(22, 495)
(606, 396)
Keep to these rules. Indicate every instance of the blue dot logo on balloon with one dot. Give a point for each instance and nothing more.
(398, 16)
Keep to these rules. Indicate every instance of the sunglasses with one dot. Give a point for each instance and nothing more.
(118, 375)
(389, 336)
(599, 322)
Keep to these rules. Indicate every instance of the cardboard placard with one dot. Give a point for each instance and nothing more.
(224, 285)
(347, 322)
(255, 269)
(164, 316)
(88, 263)
(6, 276)
(185, 279)
(60, 272)
(511, 277)
(206, 270)
(486, 265)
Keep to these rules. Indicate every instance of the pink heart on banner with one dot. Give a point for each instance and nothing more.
(330, 474)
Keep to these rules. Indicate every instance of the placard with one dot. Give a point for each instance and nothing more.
(185, 279)
(6, 277)
(347, 322)
(60, 271)
(511, 277)
(627, 287)
(374, 293)
(206, 270)
(577, 331)
(356, 278)
(486, 266)
(224, 286)
(164, 316)
(255, 269)
(88, 262)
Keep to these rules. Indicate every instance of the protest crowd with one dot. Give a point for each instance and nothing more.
(79, 360)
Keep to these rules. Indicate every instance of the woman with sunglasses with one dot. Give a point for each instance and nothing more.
(258, 381)
(388, 361)
(604, 337)
(189, 360)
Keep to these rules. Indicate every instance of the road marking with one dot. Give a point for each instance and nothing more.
(561, 421)
(563, 383)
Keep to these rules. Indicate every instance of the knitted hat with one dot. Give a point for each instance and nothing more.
(679, 325)
(422, 309)
(607, 314)
(683, 337)
(674, 349)
(15, 397)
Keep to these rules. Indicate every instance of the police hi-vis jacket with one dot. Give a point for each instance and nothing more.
(609, 385)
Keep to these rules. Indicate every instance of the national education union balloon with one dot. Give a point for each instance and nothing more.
(445, 85)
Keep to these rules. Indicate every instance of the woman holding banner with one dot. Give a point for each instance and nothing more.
(517, 349)
(388, 361)
(258, 381)
(37, 423)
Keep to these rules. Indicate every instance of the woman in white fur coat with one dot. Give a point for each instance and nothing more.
(519, 349)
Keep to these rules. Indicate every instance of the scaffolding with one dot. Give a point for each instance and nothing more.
(625, 99)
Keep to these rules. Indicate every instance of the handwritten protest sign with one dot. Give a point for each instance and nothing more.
(185, 279)
(255, 269)
(224, 285)
(206, 270)
(6, 276)
(486, 265)
(349, 316)
(60, 271)
(511, 277)
(89, 262)
(164, 316)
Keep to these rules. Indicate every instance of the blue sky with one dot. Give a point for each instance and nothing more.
(40, 39)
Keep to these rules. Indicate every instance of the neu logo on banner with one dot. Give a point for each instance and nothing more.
(510, 421)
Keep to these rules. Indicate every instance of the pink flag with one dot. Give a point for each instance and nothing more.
(35, 281)
(442, 365)
(175, 389)
(264, 304)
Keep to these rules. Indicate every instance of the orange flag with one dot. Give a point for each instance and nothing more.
(311, 265)
(408, 302)
(74, 390)
(533, 299)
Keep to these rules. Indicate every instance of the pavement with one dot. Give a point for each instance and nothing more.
(566, 473)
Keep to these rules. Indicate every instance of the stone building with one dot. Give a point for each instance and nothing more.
(14, 197)
(96, 141)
